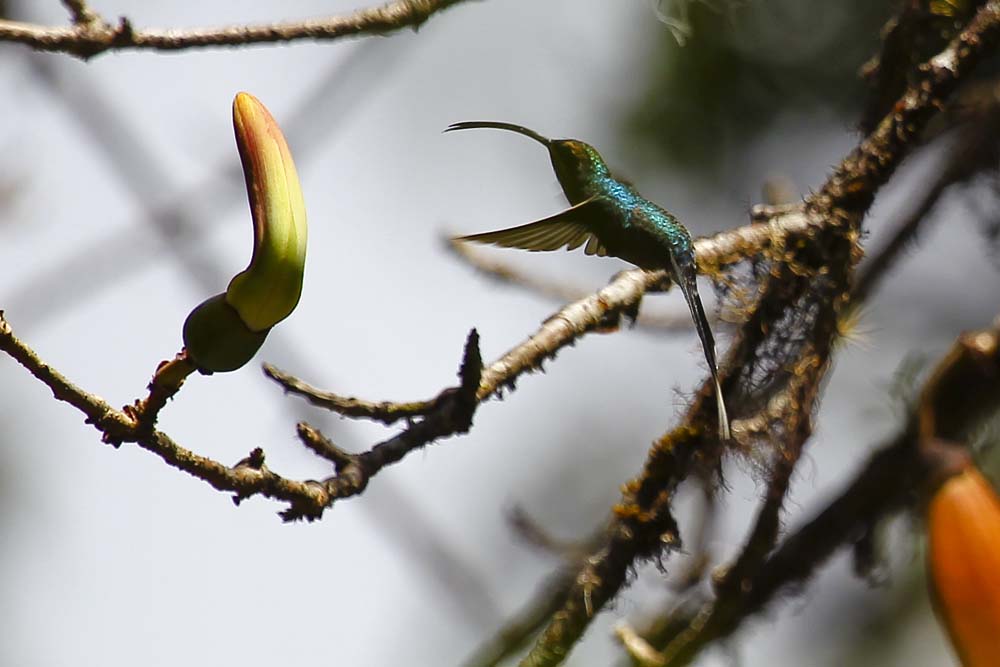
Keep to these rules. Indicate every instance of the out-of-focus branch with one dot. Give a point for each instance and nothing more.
(91, 34)
(525, 624)
(508, 274)
(535, 535)
(904, 235)
(307, 499)
(699, 552)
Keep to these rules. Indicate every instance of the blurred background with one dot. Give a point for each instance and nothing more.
(122, 207)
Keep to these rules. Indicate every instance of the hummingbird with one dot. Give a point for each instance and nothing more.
(609, 218)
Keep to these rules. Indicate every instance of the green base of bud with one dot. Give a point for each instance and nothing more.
(216, 338)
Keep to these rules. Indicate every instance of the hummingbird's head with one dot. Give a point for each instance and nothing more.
(576, 165)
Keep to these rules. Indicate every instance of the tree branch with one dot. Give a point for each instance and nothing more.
(91, 35)
(643, 525)
(974, 120)
(967, 377)
(307, 499)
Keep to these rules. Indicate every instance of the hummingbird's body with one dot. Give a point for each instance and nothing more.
(611, 218)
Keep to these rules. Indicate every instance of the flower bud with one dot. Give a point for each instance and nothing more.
(268, 290)
(217, 339)
(225, 331)
(963, 528)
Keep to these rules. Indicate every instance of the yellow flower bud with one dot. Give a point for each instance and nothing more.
(268, 290)
(225, 331)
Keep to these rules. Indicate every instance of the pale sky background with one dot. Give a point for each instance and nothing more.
(110, 558)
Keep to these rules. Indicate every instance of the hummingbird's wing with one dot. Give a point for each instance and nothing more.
(570, 229)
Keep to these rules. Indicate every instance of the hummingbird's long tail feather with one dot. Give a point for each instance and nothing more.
(689, 287)
(720, 403)
(497, 125)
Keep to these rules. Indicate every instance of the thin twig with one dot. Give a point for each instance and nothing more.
(167, 381)
(386, 412)
(532, 533)
(94, 36)
(80, 12)
(322, 446)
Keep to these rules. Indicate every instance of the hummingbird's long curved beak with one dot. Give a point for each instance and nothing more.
(497, 125)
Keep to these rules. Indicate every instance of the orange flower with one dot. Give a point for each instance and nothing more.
(963, 526)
